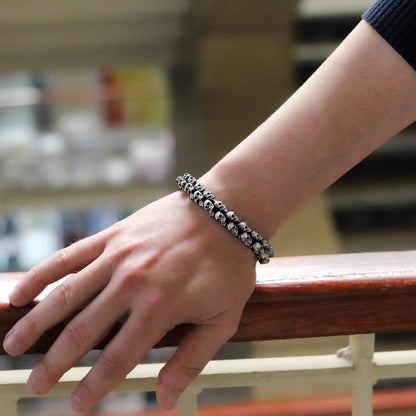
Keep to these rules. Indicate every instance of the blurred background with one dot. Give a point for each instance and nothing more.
(102, 103)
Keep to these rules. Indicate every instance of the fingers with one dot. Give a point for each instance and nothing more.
(62, 263)
(68, 297)
(123, 353)
(78, 337)
(189, 360)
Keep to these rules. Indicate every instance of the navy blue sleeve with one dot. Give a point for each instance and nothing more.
(395, 21)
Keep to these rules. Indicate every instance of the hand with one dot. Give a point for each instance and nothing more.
(166, 264)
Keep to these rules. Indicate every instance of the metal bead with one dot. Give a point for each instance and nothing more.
(244, 227)
(246, 239)
(267, 248)
(231, 226)
(190, 179)
(220, 217)
(266, 245)
(199, 187)
(256, 236)
(181, 183)
(263, 255)
(219, 205)
(197, 196)
(208, 205)
(209, 195)
(235, 232)
(256, 247)
(188, 188)
(232, 216)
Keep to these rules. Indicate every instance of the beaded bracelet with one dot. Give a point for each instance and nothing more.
(228, 219)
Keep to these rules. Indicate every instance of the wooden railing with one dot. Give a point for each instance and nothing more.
(299, 297)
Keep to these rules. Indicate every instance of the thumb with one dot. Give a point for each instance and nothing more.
(190, 358)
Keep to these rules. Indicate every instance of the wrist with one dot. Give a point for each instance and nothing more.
(217, 209)
(243, 194)
(208, 236)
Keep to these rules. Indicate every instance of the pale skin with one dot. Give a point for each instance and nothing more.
(165, 264)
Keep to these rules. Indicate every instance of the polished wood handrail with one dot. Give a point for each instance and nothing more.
(299, 297)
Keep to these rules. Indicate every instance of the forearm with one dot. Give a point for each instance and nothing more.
(359, 98)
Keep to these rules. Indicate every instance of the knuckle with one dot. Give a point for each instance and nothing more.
(111, 364)
(136, 274)
(179, 379)
(231, 329)
(35, 277)
(61, 258)
(130, 278)
(193, 371)
(75, 335)
(65, 295)
(86, 391)
(120, 252)
(30, 324)
(43, 367)
(113, 231)
(155, 306)
(178, 383)
(26, 332)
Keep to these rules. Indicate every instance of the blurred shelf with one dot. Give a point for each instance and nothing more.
(367, 195)
(313, 52)
(89, 32)
(132, 194)
(330, 8)
(400, 239)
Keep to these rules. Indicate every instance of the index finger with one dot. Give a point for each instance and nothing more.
(65, 261)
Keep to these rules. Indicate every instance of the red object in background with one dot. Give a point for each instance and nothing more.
(113, 111)
(399, 401)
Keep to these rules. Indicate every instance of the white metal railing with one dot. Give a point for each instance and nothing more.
(358, 363)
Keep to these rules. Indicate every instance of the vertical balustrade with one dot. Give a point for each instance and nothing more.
(8, 406)
(188, 403)
(360, 352)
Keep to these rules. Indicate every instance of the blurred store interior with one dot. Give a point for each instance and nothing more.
(103, 103)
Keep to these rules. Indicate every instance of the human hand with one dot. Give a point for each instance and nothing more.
(166, 264)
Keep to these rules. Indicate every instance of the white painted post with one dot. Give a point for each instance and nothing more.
(362, 353)
(188, 403)
(8, 406)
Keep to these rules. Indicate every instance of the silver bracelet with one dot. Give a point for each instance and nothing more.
(228, 219)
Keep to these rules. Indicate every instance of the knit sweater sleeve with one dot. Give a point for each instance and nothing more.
(395, 21)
